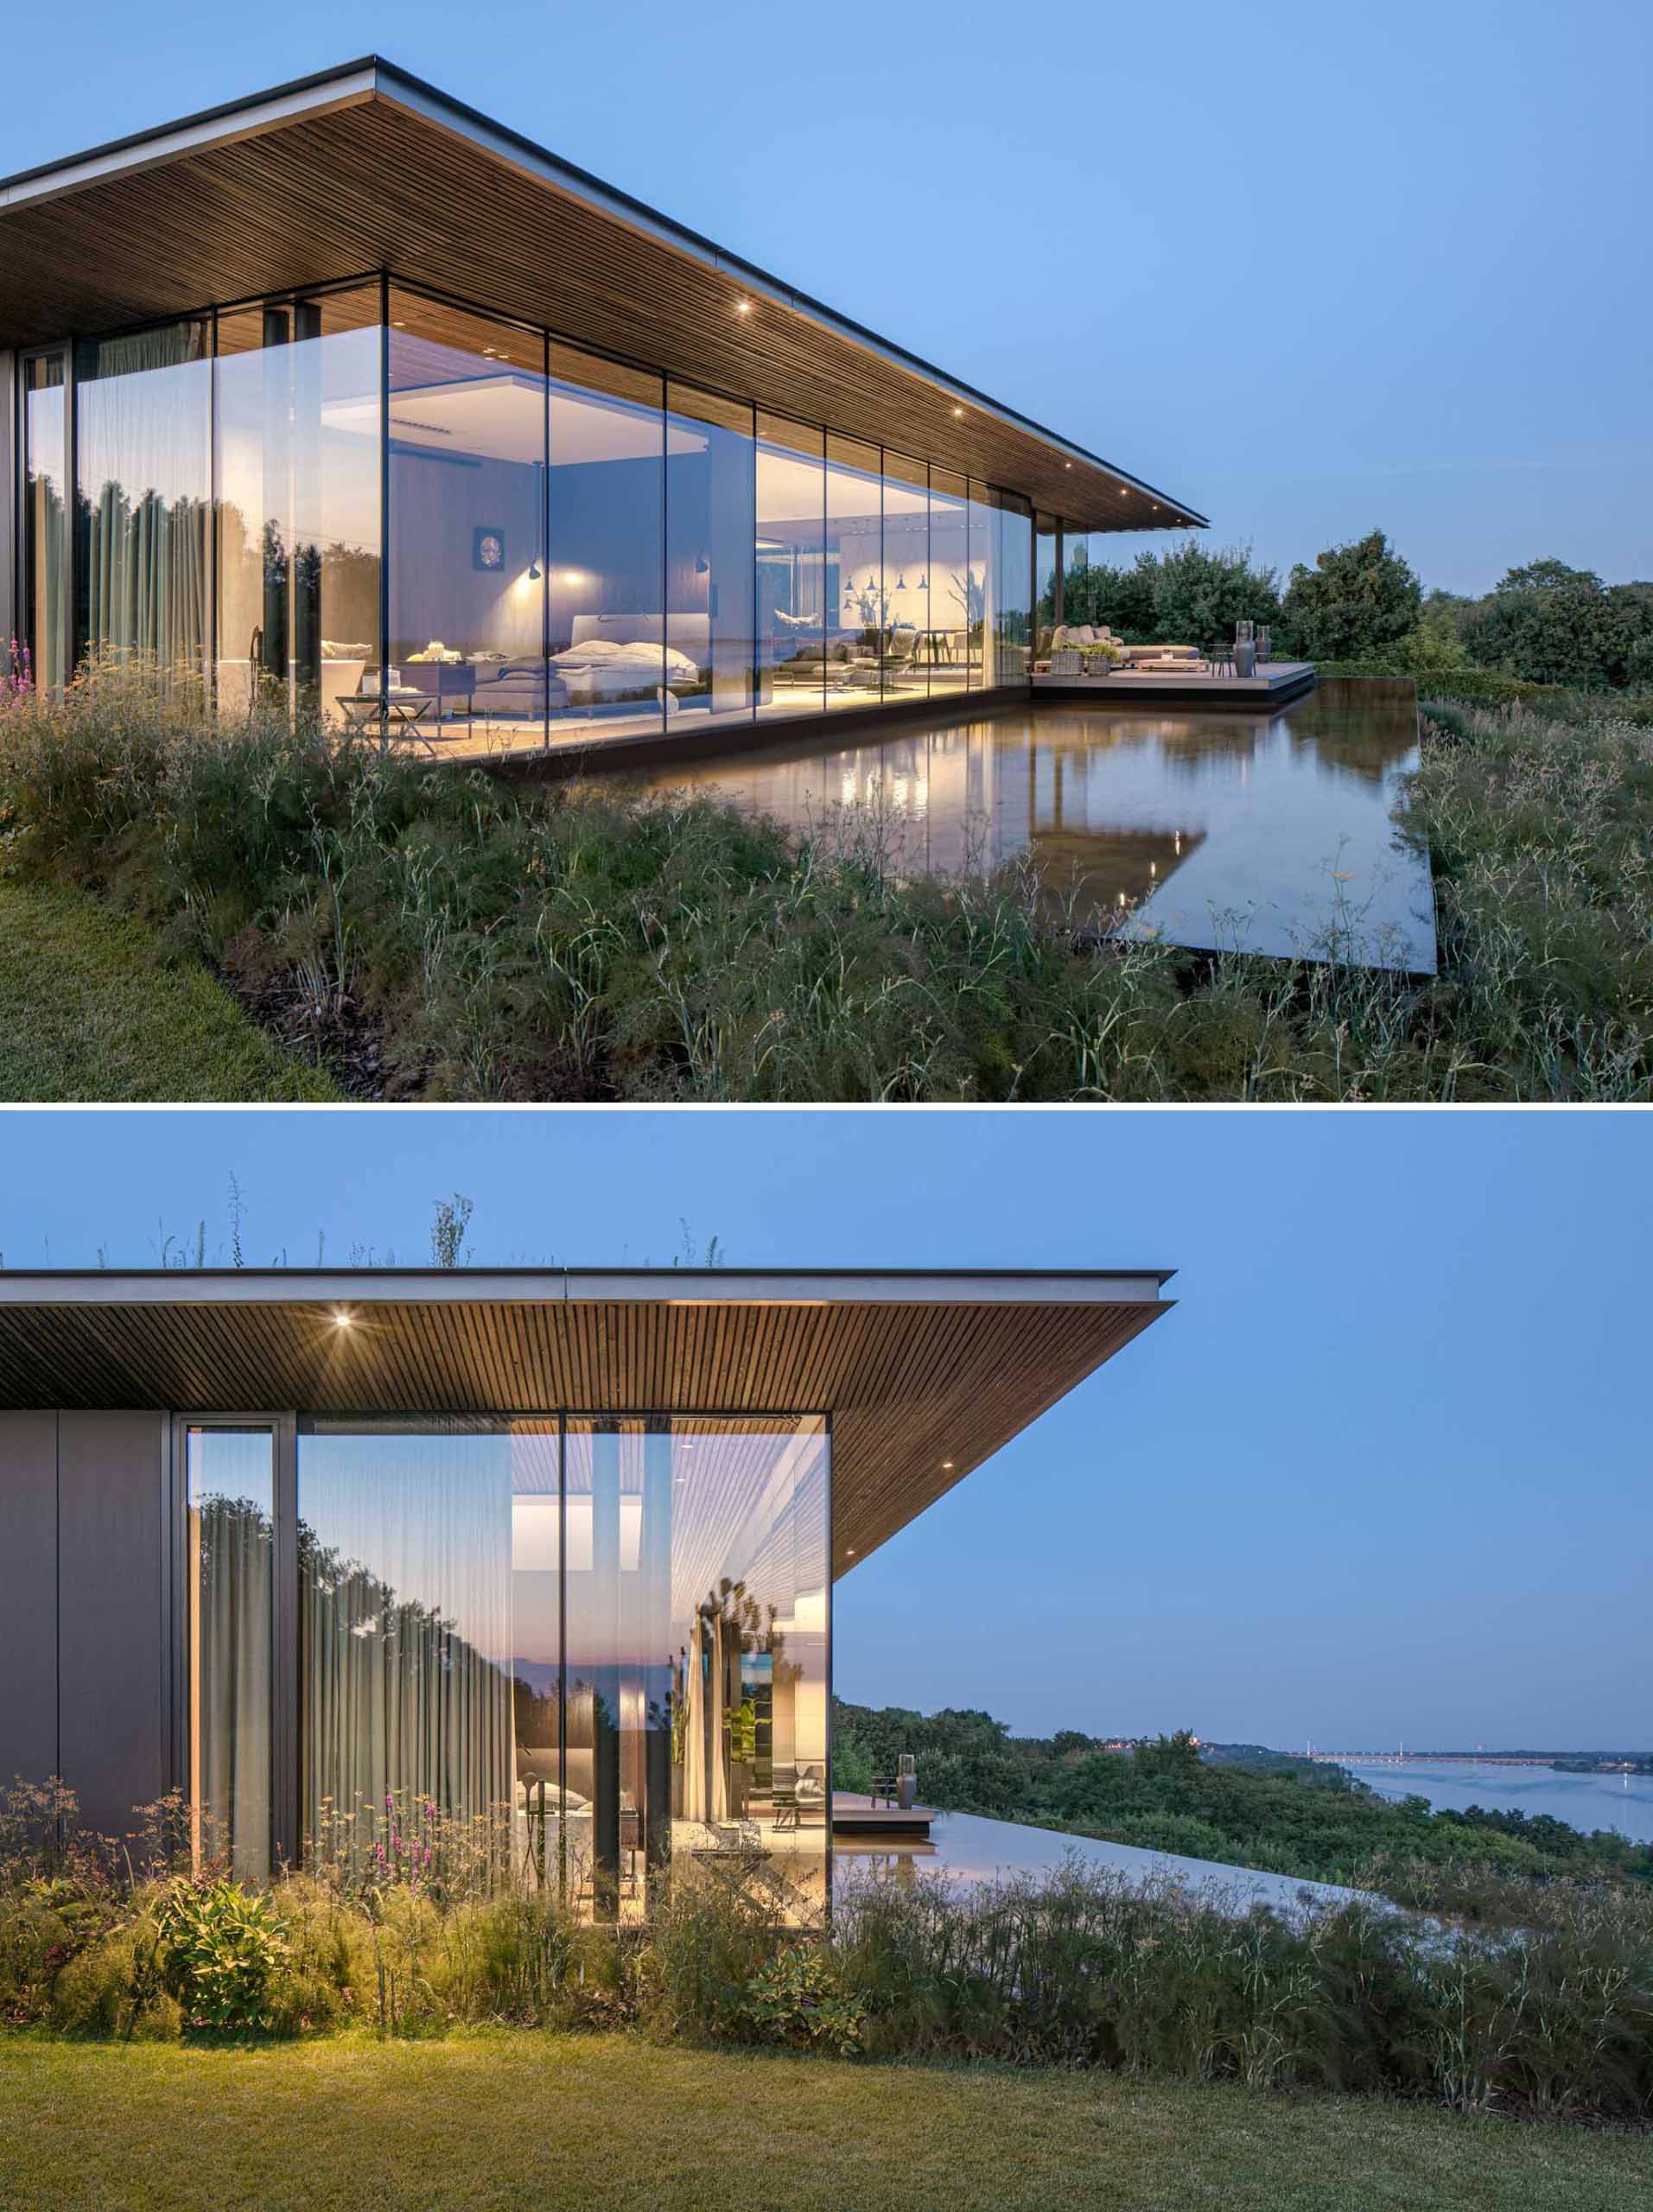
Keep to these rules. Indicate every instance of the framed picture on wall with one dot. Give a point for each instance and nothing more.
(487, 548)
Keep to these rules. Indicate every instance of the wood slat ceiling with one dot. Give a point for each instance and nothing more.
(909, 1385)
(376, 183)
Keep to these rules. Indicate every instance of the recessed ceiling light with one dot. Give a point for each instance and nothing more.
(341, 1321)
(959, 412)
(946, 1467)
(852, 1551)
(743, 307)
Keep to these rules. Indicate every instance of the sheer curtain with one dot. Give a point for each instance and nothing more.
(143, 430)
(404, 1626)
(232, 1585)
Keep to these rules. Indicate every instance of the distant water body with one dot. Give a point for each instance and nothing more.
(1583, 1800)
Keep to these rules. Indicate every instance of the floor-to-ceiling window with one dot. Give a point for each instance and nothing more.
(298, 464)
(1012, 587)
(1076, 582)
(949, 580)
(860, 642)
(229, 1629)
(711, 525)
(592, 1655)
(696, 1660)
(466, 426)
(144, 467)
(980, 578)
(791, 566)
(610, 659)
(914, 645)
(45, 481)
(1046, 557)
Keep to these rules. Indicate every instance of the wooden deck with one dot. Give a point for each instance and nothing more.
(1276, 681)
(855, 1815)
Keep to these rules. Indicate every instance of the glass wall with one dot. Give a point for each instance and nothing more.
(1013, 587)
(466, 426)
(912, 646)
(791, 566)
(948, 582)
(297, 469)
(230, 1579)
(1047, 572)
(979, 582)
(598, 1659)
(424, 523)
(861, 650)
(711, 528)
(605, 624)
(45, 478)
(143, 470)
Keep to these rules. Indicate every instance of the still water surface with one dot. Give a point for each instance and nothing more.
(1223, 830)
(1583, 1800)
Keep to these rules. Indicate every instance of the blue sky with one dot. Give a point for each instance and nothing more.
(1383, 1473)
(1311, 269)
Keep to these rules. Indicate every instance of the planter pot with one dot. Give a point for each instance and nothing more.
(1245, 658)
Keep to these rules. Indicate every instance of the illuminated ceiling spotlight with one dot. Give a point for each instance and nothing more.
(958, 414)
(743, 307)
(341, 1319)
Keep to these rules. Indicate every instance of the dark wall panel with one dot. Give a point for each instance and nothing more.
(112, 1675)
(27, 1596)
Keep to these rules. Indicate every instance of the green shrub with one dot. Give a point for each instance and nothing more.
(220, 1950)
(798, 2000)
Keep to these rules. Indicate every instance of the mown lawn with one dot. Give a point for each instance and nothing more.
(93, 1005)
(508, 2118)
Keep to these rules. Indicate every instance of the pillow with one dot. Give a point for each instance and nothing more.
(680, 664)
(592, 649)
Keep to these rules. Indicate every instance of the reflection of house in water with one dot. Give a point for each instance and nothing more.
(1288, 817)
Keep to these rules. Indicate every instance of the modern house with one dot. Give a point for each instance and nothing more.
(545, 1557)
(345, 397)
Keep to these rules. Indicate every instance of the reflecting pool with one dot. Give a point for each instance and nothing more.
(1223, 830)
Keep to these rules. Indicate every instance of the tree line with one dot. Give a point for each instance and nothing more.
(1241, 1805)
(1543, 622)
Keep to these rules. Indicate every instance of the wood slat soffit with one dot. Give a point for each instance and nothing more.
(910, 1384)
(371, 170)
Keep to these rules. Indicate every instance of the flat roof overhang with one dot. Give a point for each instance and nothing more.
(925, 1374)
(365, 167)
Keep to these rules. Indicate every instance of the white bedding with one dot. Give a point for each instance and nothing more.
(601, 665)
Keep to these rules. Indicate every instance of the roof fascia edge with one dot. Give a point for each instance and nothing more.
(348, 87)
(731, 1286)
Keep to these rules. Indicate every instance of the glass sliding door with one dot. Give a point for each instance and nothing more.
(711, 525)
(1046, 577)
(230, 1511)
(46, 636)
(466, 429)
(1013, 591)
(979, 587)
(792, 607)
(298, 456)
(606, 621)
(914, 646)
(858, 642)
(142, 418)
(950, 582)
